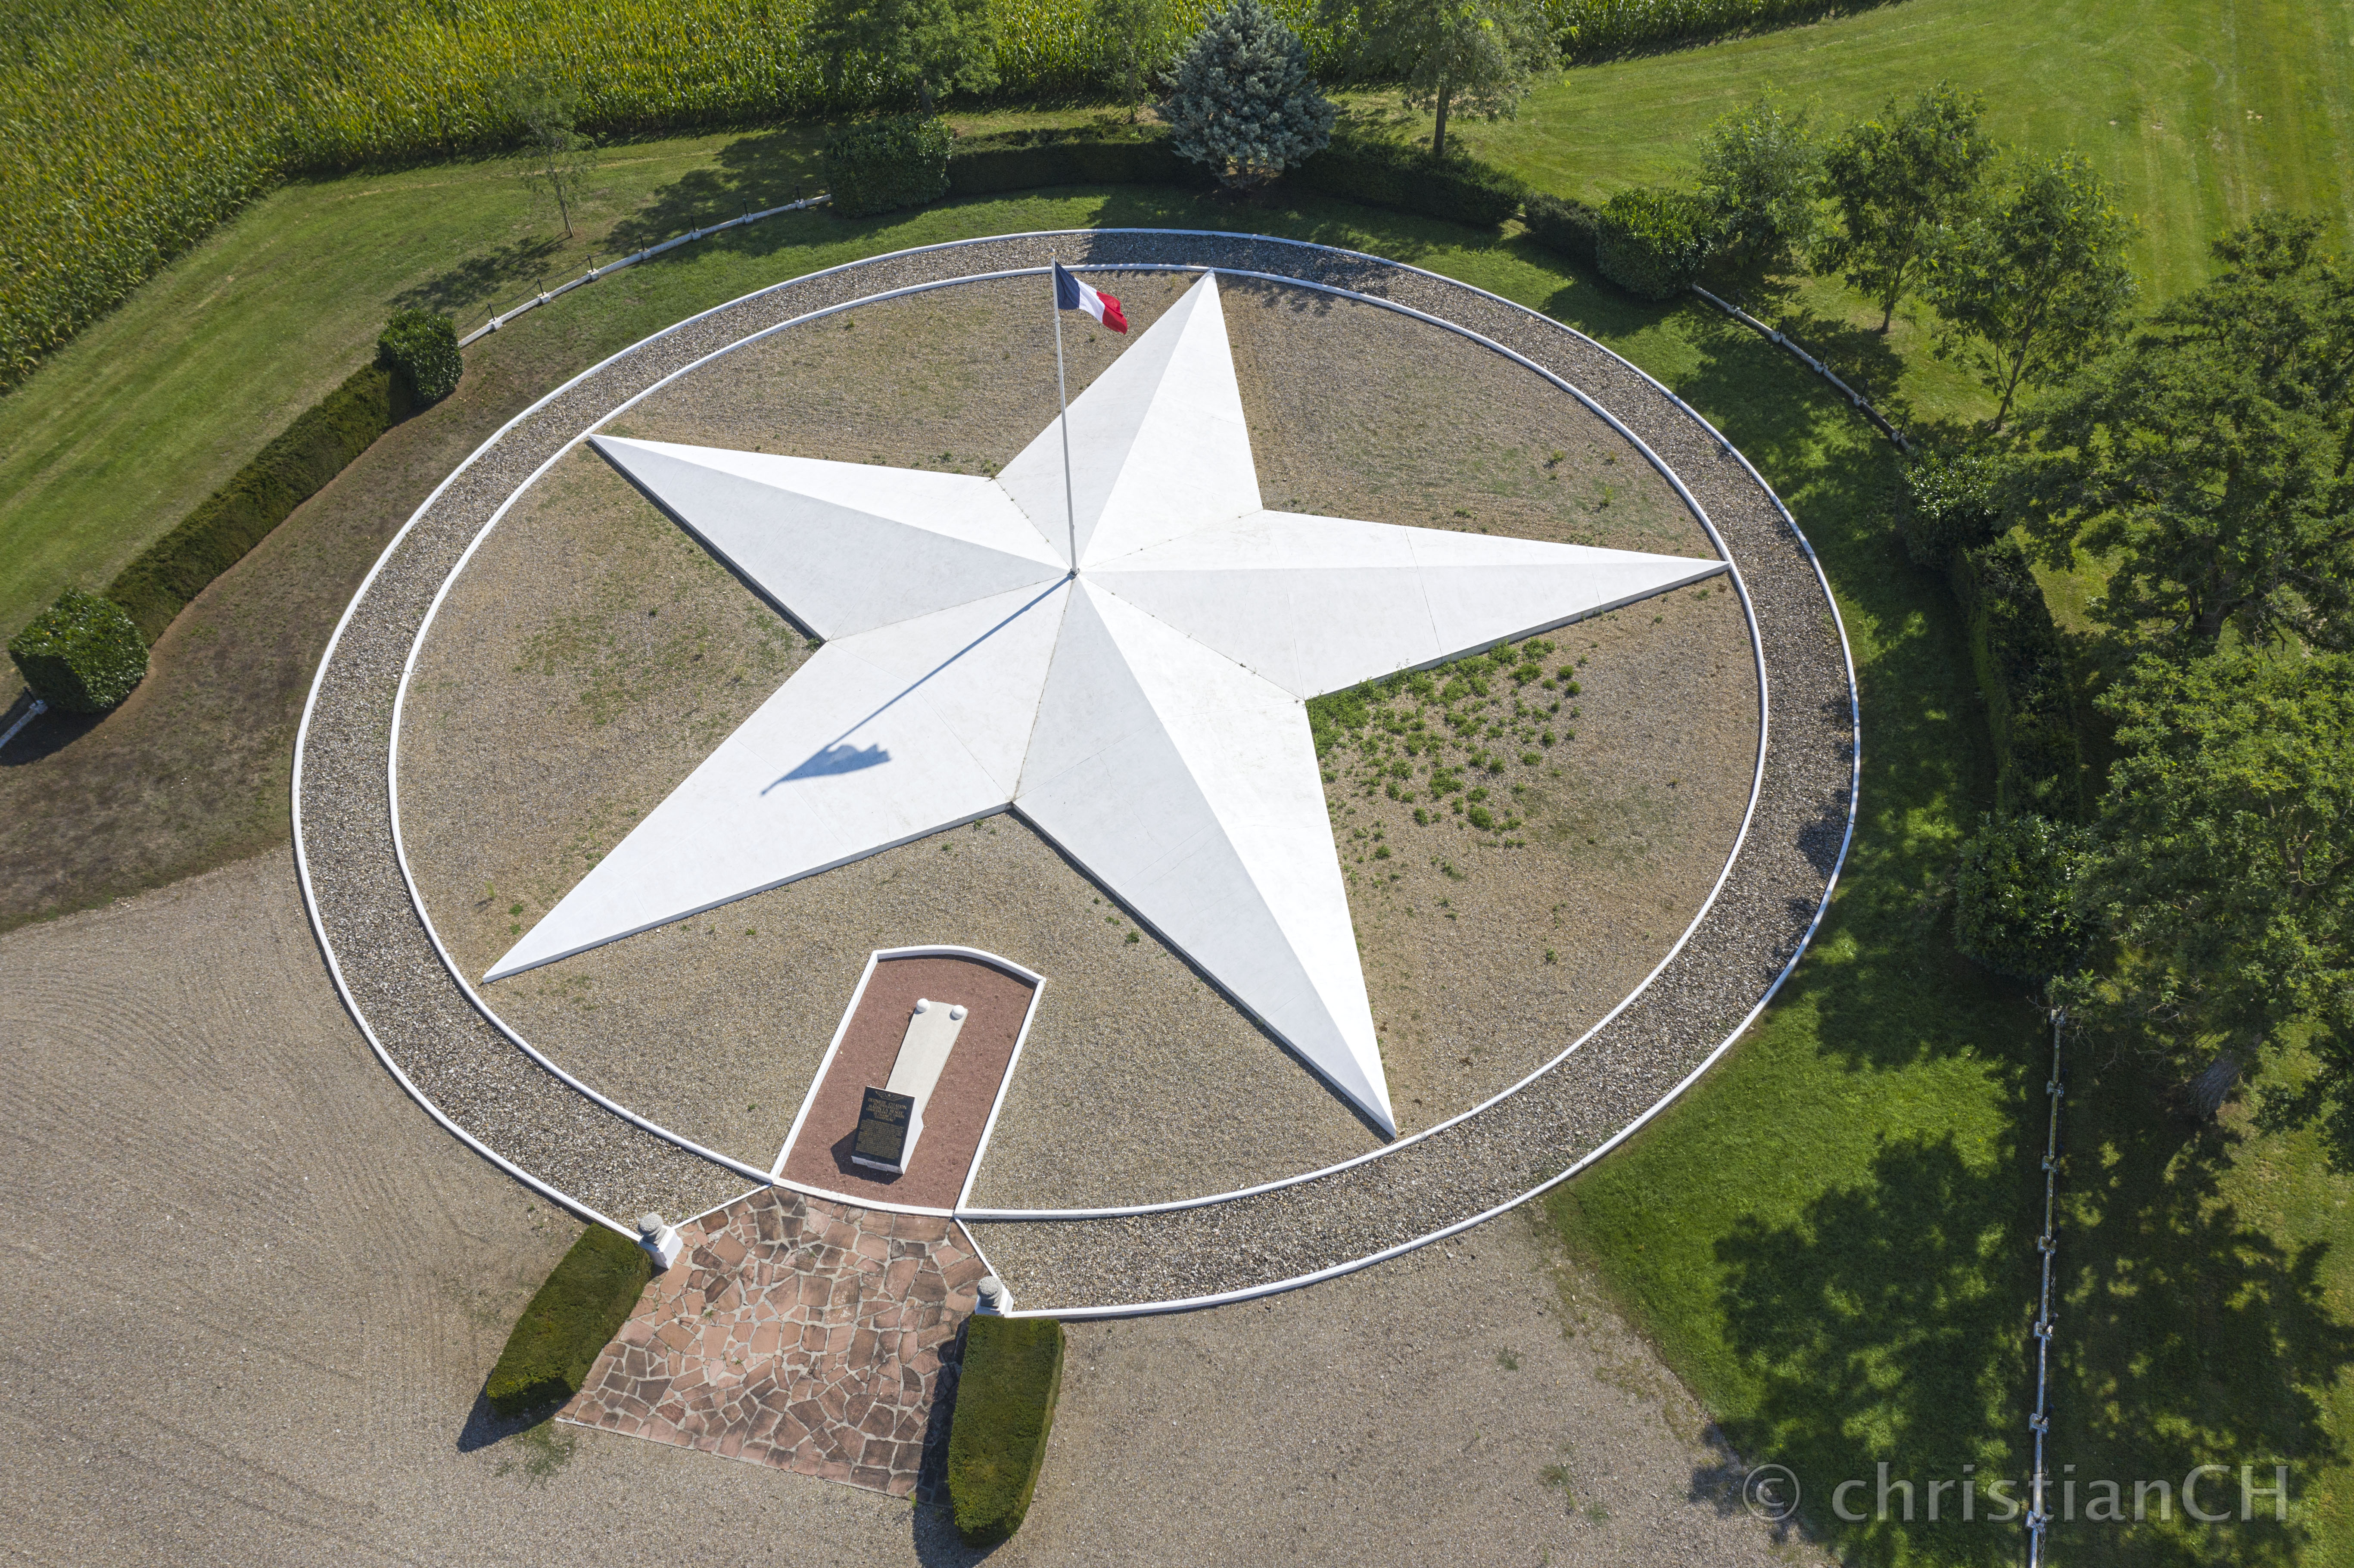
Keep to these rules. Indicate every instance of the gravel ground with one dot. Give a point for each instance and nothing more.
(589, 623)
(267, 1289)
(1755, 930)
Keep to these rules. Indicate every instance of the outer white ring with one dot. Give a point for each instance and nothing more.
(319, 931)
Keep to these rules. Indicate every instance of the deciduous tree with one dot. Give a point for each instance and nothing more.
(2209, 457)
(1134, 28)
(2032, 287)
(1758, 176)
(1451, 57)
(2227, 876)
(1896, 182)
(935, 46)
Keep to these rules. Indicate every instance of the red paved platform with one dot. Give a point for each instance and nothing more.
(795, 1332)
(998, 1003)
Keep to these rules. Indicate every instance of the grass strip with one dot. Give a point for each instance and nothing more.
(161, 580)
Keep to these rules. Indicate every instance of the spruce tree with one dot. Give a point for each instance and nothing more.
(1241, 100)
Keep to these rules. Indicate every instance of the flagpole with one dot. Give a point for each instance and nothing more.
(1063, 395)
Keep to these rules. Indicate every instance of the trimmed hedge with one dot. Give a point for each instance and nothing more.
(1022, 160)
(422, 346)
(81, 654)
(1652, 241)
(1562, 224)
(2023, 671)
(2015, 896)
(1005, 1407)
(882, 165)
(161, 580)
(1407, 179)
(583, 1304)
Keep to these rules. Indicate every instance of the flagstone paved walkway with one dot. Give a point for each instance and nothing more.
(795, 1332)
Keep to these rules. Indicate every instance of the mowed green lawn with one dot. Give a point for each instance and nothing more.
(2198, 113)
(111, 443)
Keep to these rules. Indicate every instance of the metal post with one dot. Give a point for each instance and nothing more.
(40, 707)
(1063, 395)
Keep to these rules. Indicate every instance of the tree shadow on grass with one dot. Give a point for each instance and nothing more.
(751, 173)
(1888, 1325)
(477, 280)
(2187, 1337)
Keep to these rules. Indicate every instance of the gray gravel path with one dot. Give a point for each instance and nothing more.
(462, 1064)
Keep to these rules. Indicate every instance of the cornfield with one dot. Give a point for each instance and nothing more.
(130, 128)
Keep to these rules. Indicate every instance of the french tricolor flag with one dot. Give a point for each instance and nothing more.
(1070, 294)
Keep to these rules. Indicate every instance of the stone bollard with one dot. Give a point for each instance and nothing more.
(994, 1299)
(662, 1242)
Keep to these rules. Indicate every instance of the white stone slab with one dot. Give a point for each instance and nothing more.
(1144, 712)
(931, 1035)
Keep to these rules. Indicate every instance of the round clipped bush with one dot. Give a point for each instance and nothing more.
(1652, 242)
(882, 165)
(2015, 897)
(82, 654)
(1949, 505)
(421, 347)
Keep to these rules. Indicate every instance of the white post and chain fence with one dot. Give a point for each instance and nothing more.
(1780, 340)
(631, 260)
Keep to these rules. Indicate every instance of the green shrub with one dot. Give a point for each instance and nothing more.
(2015, 897)
(81, 654)
(1564, 226)
(422, 347)
(1241, 102)
(583, 1304)
(1022, 160)
(162, 580)
(1004, 1405)
(1652, 242)
(1949, 505)
(882, 165)
(2022, 669)
(1386, 174)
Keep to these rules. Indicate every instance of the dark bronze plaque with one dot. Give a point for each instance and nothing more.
(883, 1128)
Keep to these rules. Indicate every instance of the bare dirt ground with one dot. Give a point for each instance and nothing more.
(256, 1292)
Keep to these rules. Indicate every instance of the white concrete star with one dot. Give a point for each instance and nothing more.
(1145, 712)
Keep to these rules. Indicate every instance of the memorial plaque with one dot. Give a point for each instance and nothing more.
(882, 1130)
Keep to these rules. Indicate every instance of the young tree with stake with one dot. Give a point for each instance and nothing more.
(1896, 182)
(1468, 56)
(553, 158)
(1133, 27)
